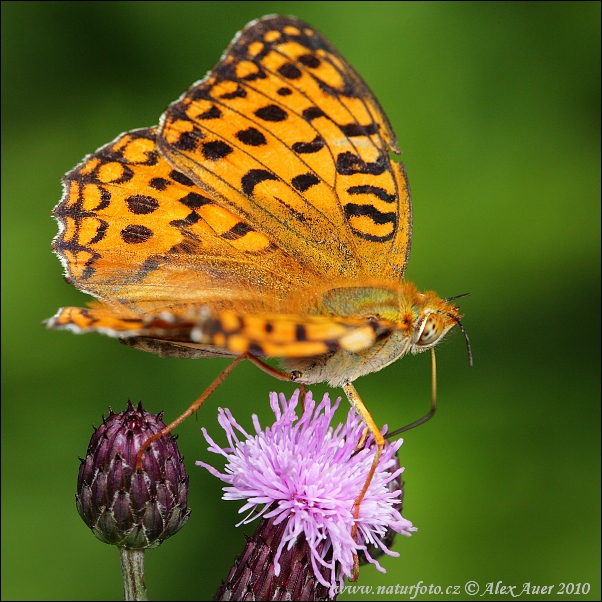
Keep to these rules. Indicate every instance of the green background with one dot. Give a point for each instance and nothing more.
(497, 109)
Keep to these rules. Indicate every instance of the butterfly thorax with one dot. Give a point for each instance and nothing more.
(400, 317)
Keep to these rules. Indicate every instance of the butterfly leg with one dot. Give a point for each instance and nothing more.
(279, 374)
(362, 442)
(360, 408)
(191, 410)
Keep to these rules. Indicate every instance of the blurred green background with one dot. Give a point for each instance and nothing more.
(497, 108)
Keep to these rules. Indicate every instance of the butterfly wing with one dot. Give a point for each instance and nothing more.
(285, 134)
(136, 233)
(208, 333)
(175, 273)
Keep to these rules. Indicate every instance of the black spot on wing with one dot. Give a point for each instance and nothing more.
(312, 113)
(300, 333)
(188, 141)
(192, 218)
(150, 264)
(353, 210)
(271, 113)
(238, 93)
(216, 150)
(251, 77)
(304, 181)
(355, 129)
(256, 350)
(194, 200)
(136, 234)
(159, 183)
(185, 247)
(254, 177)
(314, 146)
(141, 204)
(180, 178)
(289, 71)
(349, 163)
(309, 60)
(377, 191)
(100, 232)
(212, 113)
(251, 137)
(237, 231)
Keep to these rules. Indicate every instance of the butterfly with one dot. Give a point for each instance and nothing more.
(262, 218)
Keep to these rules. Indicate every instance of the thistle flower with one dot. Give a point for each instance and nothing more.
(307, 474)
(372, 549)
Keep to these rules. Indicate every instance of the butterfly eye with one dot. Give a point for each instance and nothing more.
(432, 330)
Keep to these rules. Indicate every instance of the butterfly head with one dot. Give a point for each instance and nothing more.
(435, 318)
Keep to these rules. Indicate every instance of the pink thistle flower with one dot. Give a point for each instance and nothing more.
(306, 473)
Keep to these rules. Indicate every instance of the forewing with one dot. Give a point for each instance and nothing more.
(285, 134)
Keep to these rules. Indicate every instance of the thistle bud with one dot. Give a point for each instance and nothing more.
(133, 510)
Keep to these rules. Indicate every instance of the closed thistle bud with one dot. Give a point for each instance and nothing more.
(129, 509)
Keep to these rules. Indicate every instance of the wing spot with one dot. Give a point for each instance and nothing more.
(212, 113)
(238, 93)
(271, 36)
(140, 204)
(187, 141)
(284, 91)
(256, 350)
(312, 113)
(310, 60)
(237, 231)
(216, 150)
(291, 30)
(159, 183)
(355, 129)
(192, 218)
(353, 210)
(304, 181)
(348, 164)
(251, 137)
(135, 234)
(271, 113)
(254, 48)
(180, 178)
(100, 233)
(377, 191)
(289, 71)
(194, 200)
(314, 146)
(254, 177)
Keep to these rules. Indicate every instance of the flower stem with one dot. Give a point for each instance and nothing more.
(132, 569)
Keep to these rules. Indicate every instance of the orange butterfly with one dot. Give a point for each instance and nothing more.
(262, 218)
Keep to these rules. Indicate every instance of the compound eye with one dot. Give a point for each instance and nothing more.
(431, 331)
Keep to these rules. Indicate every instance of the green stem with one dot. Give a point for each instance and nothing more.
(132, 569)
